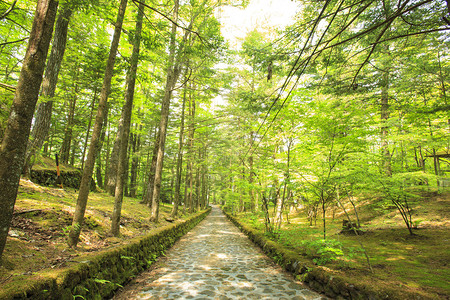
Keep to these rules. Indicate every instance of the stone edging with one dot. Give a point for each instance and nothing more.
(98, 275)
(315, 277)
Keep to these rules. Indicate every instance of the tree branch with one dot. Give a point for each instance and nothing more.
(168, 18)
(410, 34)
(13, 42)
(6, 13)
(8, 87)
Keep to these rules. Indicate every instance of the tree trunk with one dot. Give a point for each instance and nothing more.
(286, 183)
(65, 147)
(386, 163)
(128, 107)
(191, 188)
(197, 181)
(186, 207)
(72, 153)
(173, 72)
(179, 158)
(114, 159)
(127, 168)
(88, 129)
(14, 143)
(135, 163)
(190, 154)
(204, 180)
(44, 110)
(242, 191)
(148, 198)
(80, 208)
(279, 210)
(322, 198)
(108, 150)
(253, 204)
(99, 157)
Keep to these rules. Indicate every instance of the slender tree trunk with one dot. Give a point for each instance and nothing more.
(80, 208)
(386, 165)
(279, 210)
(190, 154)
(242, 191)
(179, 158)
(172, 76)
(204, 179)
(148, 198)
(44, 110)
(127, 169)
(99, 157)
(72, 153)
(191, 188)
(66, 144)
(135, 163)
(128, 107)
(253, 204)
(286, 182)
(114, 158)
(88, 129)
(197, 181)
(186, 206)
(108, 151)
(17, 131)
(322, 198)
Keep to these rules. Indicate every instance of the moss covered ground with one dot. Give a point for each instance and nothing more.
(417, 263)
(37, 241)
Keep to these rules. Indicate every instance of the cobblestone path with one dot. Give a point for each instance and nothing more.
(216, 261)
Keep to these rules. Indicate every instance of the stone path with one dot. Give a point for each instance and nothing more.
(216, 261)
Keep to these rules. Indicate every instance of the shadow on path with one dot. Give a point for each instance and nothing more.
(216, 261)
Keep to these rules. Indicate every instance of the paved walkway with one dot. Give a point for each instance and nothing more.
(216, 261)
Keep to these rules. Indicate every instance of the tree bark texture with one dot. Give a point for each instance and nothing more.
(88, 129)
(197, 181)
(114, 158)
(173, 71)
(148, 197)
(204, 179)
(17, 131)
(99, 149)
(108, 150)
(135, 163)
(65, 147)
(385, 129)
(128, 107)
(185, 197)
(44, 110)
(179, 159)
(80, 208)
(190, 155)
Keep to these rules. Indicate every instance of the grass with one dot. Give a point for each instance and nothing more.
(42, 217)
(418, 263)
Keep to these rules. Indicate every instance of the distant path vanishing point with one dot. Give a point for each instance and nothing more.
(216, 261)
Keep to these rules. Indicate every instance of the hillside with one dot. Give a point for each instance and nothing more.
(400, 261)
(37, 238)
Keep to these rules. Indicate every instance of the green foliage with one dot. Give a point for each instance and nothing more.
(104, 281)
(323, 251)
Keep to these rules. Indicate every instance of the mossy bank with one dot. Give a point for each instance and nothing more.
(98, 275)
(321, 279)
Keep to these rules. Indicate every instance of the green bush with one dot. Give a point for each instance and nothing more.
(323, 251)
